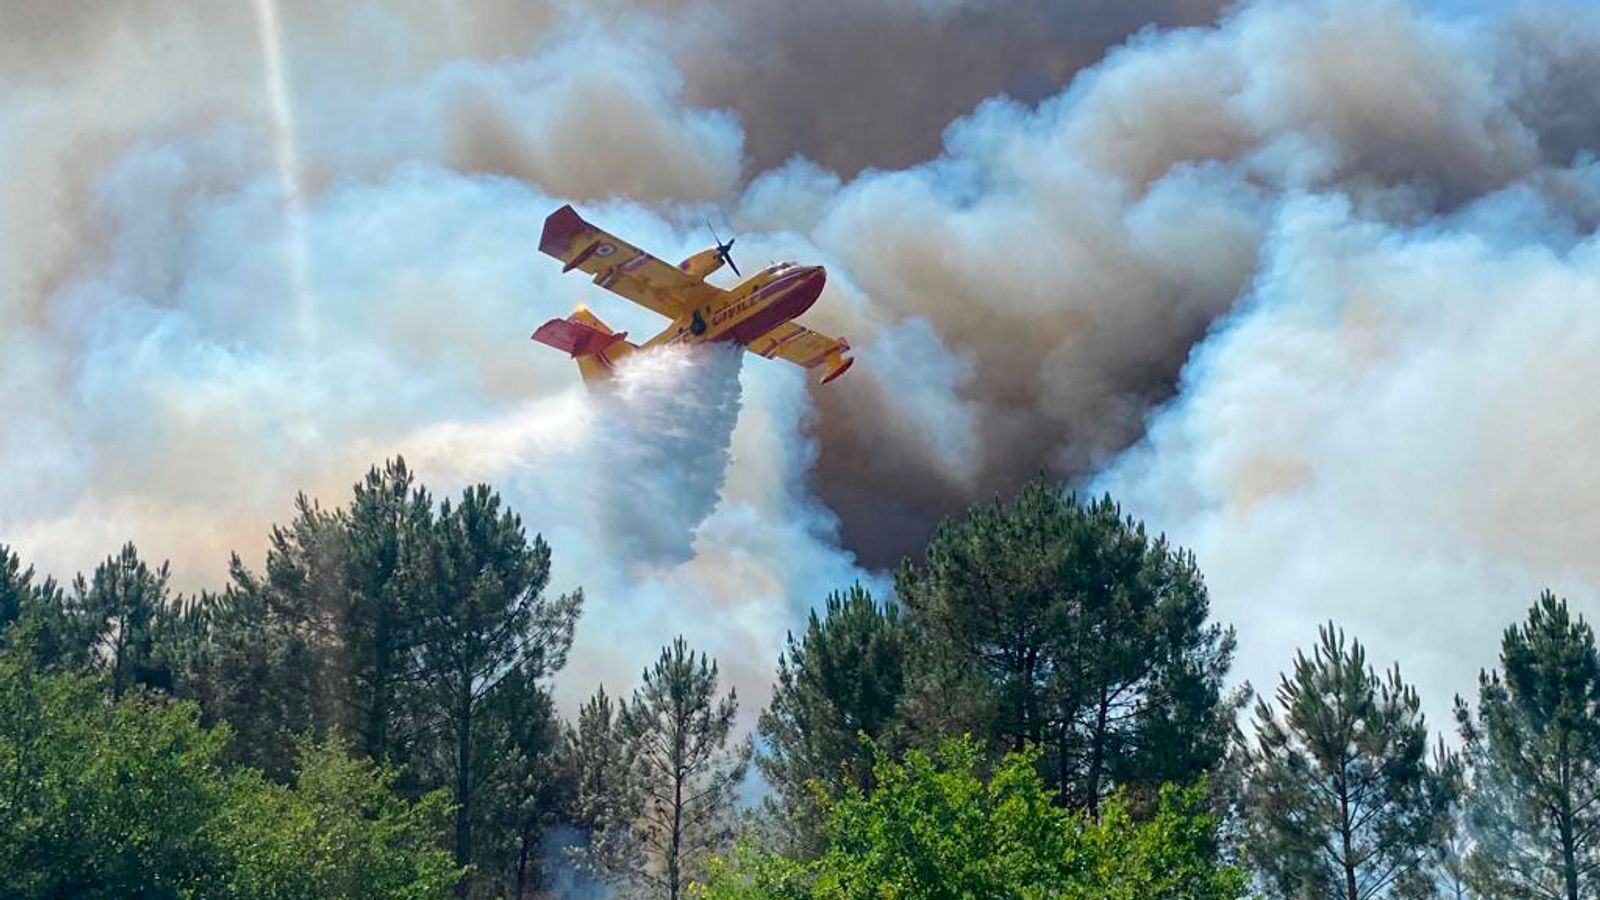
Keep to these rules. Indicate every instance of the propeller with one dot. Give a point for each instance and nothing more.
(723, 250)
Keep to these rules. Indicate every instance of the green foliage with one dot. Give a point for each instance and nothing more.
(101, 799)
(338, 831)
(33, 616)
(524, 789)
(1088, 638)
(121, 610)
(270, 664)
(129, 798)
(841, 681)
(484, 623)
(423, 634)
(935, 828)
(1534, 814)
(17, 590)
(254, 669)
(384, 541)
(419, 638)
(1341, 800)
(676, 730)
(606, 797)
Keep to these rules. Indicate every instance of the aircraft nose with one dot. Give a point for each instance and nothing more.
(807, 287)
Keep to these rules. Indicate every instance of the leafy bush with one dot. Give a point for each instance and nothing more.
(935, 828)
(129, 798)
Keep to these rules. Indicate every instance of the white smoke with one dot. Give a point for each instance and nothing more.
(562, 876)
(1390, 435)
(1404, 202)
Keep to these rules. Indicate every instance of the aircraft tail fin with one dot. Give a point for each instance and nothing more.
(588, 340)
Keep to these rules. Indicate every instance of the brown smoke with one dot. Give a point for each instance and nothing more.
(1025, 277)
(852, 84)
(1075, 252)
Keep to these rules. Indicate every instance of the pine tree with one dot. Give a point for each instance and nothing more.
(34, 617)
(270, 663)
(525, 791)
(837, 696)
(122, 611)
(1534, 810)
(1341, 800)
(677, 733)
(251, 671)
(387, 531)
(605, 801)
(1092, 639)
(485, 616)
(326, 638)
(17, 590)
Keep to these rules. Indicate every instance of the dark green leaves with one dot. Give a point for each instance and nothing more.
(1341, 800)
(1534, 812)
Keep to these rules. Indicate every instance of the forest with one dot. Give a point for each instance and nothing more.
(1042, 708)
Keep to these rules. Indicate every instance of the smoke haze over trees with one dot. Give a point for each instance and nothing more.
(1045, 712)
(1311, 290)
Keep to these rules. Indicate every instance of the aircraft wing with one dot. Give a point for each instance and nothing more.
(620, 267)
(805, 348)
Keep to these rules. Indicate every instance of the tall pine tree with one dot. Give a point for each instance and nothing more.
(678, 731)
(837, 695)
(122, 611)
(388, 530)
(270, 668)
(605, 800)
(1534, 811)
(485, 618)
(1091, 638)
(525, 790)
(1341, 800)
(249, 671)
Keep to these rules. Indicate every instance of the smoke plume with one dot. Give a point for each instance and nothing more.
(1326, 268)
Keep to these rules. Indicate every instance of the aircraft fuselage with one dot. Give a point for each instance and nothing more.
(759, 304)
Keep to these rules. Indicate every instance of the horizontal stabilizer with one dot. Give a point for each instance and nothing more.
(576, 338)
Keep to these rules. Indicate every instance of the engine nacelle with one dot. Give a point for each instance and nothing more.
(702, 264)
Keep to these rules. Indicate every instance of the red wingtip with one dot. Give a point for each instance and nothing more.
(843, 368)
(560, 228)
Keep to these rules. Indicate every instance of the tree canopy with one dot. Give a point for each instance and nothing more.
(131, 798)
(1039, 710)
(1535, 750)
(937, 828)
(1092, 640)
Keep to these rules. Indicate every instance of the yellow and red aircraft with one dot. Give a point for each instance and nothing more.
(758, 314)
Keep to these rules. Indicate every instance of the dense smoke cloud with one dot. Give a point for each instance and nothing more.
(1388, 436)
(851, 84)
(1383, 433)
(161, 384)
(1075, 252)
(1370, 210)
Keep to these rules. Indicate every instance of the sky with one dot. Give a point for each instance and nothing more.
(1312, 287)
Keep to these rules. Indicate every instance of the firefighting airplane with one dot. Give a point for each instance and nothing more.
(758, 314)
